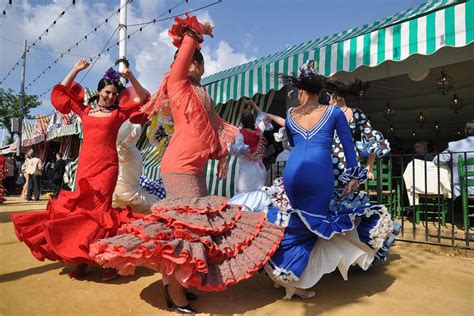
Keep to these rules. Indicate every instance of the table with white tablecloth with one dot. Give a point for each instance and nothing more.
(429, 171)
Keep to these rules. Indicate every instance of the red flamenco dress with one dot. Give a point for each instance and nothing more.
(76, 219)
(196, 237)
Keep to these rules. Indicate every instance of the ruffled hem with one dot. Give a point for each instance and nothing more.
(374, 226)
(254, 201)
(66, 229)
(354, 173)
(172, 242)
(340, 252)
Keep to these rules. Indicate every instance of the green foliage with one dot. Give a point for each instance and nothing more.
(10, 107)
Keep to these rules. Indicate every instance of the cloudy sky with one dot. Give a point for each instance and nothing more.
(245, 29)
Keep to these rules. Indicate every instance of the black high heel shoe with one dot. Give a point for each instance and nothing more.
(179, 309)
(191, 296)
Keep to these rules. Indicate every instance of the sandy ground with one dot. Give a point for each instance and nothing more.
(419, 280)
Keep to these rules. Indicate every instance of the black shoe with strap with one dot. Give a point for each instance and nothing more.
(179, 309)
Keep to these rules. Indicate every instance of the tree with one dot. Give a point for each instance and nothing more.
(10, 108)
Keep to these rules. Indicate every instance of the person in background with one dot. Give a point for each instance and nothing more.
(10, 176)
(58, 172)
(463, 147)
(421, 151)
(249, 147)
(34, 168)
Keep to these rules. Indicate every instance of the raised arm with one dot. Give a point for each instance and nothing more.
(191, 38)
(180, 67)
(141, 96)
(78, 67)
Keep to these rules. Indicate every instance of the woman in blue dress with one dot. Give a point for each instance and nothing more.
(318, 239)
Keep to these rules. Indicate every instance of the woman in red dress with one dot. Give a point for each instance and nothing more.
(192, 238)
(76, 219)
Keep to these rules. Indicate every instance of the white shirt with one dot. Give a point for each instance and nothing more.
(463, 147)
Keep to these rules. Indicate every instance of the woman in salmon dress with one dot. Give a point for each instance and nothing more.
(192, 238)
(78, 218)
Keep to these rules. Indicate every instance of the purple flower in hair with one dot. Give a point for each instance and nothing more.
(112, 76)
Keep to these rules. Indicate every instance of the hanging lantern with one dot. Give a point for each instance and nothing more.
(421, 119)
(413, 133)
(455, 103)
(391, 130)
(388, 111)
(444, 83)
(458, 133)
(436, 128)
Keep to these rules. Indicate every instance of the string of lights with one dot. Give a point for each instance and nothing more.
(143, 25)
(93, 63)
(44, 49)
(9, 4)
(76, 44)
(45, 32)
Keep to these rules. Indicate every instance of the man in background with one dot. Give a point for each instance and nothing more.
(34, 168)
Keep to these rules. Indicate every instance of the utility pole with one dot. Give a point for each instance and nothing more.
(123, 35)
(22, 101)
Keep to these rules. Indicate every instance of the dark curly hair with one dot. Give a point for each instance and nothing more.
(248, 119)
(312, 84)
(342, 89)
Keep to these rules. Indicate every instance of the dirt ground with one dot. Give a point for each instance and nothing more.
(418, 280)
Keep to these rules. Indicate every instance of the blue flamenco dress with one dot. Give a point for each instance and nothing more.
(318, 237)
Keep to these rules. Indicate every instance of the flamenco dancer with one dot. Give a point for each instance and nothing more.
(250, 146)
(319, 239)
(192, 238)
(76, 219)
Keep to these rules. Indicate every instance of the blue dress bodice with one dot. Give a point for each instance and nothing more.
(308, 175)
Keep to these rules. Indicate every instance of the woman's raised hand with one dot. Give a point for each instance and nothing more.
(127, 73)
(81, 65)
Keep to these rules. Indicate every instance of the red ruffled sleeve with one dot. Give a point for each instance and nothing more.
(66, 99)
(179, 29)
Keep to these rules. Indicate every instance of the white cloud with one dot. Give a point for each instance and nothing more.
(222, 57)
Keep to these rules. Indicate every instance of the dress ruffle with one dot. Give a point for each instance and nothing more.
(206, 243)
(374, 144)
(70, 224)
(358, 172)
(253, 201)
(372, 222)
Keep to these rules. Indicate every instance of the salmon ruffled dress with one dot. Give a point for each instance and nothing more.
(67, 227)
(200, 239)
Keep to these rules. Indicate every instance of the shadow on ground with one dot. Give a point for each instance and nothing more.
(331, 292)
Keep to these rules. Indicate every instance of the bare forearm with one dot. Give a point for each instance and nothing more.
(277, 119)
(67, 81)
(370, 161)
(139, 90)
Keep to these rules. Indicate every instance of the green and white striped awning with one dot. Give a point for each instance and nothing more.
(66, 130)
(420, 30)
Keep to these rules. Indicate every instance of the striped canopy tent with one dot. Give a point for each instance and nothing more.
(421, 30)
